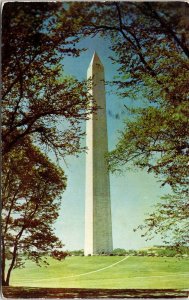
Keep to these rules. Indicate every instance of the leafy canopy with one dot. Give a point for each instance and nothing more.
(38, 100)
(32, 187)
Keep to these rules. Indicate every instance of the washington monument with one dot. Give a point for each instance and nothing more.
(98, 224)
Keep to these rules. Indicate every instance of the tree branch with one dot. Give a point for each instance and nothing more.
(168, 28)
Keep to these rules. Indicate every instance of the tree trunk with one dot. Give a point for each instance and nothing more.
(3, 262)
(12, 264)
(14, 256)
(4, 282)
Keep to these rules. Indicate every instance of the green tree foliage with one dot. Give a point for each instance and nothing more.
(156, 140)
(119, 251)
(32, 186)
(77, 252)
(38, 100)
(170, 219)
(149, 42)
(171, 252)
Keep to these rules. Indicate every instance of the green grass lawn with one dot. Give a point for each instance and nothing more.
(132, 273)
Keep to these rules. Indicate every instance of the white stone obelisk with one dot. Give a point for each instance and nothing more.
(98, 223)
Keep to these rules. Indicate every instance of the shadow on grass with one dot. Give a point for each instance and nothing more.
(27, 292)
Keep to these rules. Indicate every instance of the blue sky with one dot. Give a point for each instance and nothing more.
(132, 194)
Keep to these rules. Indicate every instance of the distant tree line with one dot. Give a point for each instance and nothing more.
(159, 251)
